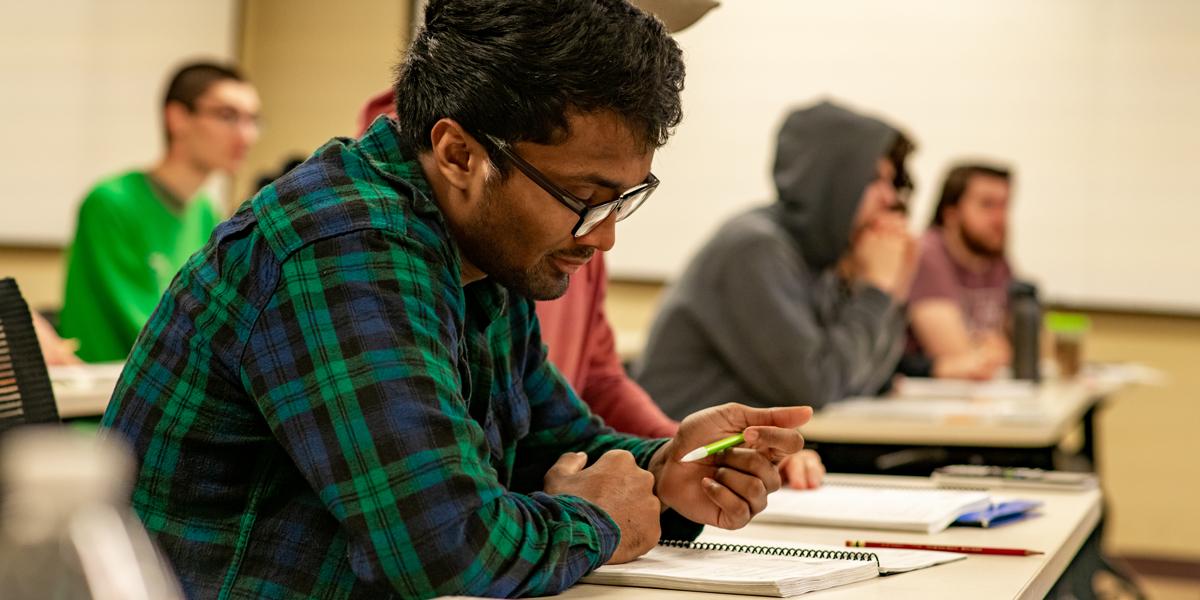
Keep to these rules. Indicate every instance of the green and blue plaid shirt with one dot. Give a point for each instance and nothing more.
(321, 410)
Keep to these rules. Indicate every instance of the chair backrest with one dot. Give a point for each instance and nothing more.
(25, 393)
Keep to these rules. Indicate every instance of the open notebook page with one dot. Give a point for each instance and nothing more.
(732, 572)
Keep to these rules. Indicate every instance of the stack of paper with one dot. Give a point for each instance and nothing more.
(925, 510)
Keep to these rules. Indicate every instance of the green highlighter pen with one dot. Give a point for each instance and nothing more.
(713, 448)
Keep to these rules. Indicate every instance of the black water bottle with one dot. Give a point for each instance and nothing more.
(1026, 314)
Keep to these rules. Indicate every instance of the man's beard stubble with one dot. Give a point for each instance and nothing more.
(487, 244)
(978, 246)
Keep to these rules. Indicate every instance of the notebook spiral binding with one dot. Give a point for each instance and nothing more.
(774, 550)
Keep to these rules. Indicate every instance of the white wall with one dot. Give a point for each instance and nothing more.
(82, 84)
(1096, 103)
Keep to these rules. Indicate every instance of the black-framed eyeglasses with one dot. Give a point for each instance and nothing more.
(229, 116)
(589, 216)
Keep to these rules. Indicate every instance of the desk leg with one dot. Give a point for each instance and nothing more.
(1088, 449)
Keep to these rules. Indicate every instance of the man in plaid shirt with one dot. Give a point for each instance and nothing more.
(345, 395)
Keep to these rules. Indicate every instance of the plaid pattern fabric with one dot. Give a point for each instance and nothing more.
(321, 410)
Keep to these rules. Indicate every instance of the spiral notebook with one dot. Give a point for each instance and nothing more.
(759, 568)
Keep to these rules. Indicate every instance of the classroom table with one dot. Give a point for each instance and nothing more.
(83, 390)
(1011, 431)
(1067, 518)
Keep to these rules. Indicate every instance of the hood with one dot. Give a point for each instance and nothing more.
(825, 158)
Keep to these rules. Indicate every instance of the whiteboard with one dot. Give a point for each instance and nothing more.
(1095, 103)
(82, 84)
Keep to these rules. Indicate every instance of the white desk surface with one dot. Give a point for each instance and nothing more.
(84, 390)
(1040, 420)
(1067, 520)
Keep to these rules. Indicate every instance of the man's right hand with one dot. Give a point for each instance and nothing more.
(618, 485)
(996, 348)
(55, 350)
(885, 255)
(975, 365)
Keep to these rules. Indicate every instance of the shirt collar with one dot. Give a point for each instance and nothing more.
(381, 147)
(489, 298)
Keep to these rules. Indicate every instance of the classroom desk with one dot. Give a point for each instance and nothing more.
(1009, 431)
(1067, 520)
(1040, 420)
(83, 390)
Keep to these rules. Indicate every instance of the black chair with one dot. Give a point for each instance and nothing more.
(25, 393)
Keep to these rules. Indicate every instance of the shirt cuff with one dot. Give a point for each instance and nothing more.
(599, 531)
(875, 299)
(872, 306)
(675, 526)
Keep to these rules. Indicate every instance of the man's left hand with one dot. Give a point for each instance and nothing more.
(727, 489)
(802, 470)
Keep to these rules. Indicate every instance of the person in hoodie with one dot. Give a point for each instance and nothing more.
(798, 302)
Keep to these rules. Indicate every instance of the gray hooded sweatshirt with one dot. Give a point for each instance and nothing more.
(760, 315)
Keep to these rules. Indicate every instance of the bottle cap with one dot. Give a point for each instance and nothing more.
(1022, 288)
(1068, 323)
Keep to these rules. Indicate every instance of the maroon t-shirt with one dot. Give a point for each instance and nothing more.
(982, 295)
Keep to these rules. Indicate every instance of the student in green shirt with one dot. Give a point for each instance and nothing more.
(136, 229)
